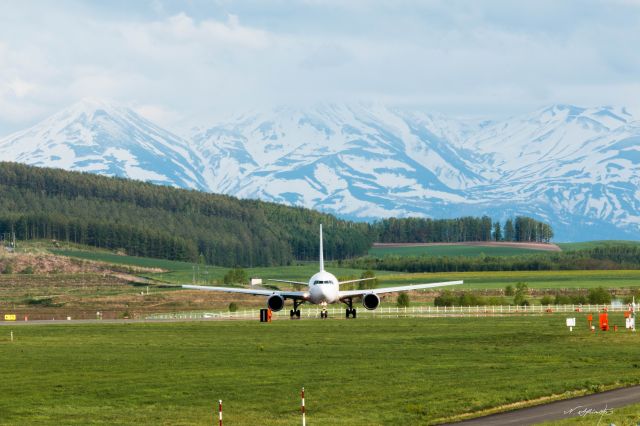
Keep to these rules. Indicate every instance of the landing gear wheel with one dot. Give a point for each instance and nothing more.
(350, 312)
(324, 314)
(295, 312)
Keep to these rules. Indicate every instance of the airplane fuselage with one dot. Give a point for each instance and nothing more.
(323, 288)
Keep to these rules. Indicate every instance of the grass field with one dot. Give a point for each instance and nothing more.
(455, 250)
(362, 372)
(594, 244)
(534, 279)
(623, 416)
(181, 272)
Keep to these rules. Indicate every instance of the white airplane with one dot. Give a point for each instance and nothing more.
(323, 289)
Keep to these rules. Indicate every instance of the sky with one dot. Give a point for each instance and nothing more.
(192, 62)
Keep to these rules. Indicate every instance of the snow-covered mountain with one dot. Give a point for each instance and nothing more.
(101, 137)
(577, 168)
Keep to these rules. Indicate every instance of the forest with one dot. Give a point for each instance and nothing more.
(600, 258)
(163, 222)
(419, 230)
(143, 219)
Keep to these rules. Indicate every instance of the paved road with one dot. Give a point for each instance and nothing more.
(588, 406)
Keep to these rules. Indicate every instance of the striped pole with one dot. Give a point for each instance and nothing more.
(220, 413)
(304, 421)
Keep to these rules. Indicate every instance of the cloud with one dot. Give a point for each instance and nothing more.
(203, 58)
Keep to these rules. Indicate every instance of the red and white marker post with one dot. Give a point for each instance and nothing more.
(304, 421)
(220, 412)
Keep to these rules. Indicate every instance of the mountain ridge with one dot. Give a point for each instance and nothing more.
(578, 168)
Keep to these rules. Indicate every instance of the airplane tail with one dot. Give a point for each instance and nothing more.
(321, 251)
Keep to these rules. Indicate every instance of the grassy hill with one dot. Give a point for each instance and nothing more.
(162, 222)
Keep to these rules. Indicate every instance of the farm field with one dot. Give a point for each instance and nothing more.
(595, 244)
(359, 372)
(534, 279)
(183, 272)
(451, 250)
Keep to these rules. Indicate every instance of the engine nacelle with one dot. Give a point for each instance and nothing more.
(275, 302)
(370, 301)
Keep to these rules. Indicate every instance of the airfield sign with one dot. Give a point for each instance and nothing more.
(571, 322)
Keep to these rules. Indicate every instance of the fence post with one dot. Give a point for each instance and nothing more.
(304, 420)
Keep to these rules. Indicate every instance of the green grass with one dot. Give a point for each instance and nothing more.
(629, 415)
(595, 244)
(183, 272)
(468, 251)
(535, 279)
(362, 372)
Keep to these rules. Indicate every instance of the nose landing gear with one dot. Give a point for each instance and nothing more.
(324, 314)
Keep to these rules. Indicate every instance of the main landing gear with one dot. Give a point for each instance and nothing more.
(351, 311)
(295, 312)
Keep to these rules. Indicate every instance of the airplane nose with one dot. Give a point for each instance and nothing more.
(328, 294)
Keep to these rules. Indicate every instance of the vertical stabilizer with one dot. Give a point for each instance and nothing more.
(321, 251)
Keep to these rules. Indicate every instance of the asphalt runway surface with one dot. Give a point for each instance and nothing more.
(586, 407)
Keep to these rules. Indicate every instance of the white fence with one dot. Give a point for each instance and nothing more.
(393, 311)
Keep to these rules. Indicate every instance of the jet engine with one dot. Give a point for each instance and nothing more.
(275, 302)
(370, 301)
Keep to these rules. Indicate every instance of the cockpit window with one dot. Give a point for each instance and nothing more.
(322, 282)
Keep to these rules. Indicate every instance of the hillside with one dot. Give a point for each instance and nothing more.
(159, 221)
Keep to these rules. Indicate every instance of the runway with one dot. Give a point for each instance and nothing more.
(586, 407)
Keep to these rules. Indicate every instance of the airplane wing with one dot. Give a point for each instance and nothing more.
(352, 293)
(356, 281)
(288, 282)
(254, 292)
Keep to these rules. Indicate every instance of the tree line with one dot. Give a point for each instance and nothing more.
(609, 257)
(143, 219)
(421, 230)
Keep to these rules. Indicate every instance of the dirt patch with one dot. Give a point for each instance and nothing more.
(46, 263)
(530, 246)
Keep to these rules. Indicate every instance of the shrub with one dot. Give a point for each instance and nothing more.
(598, 296)
(508, 290)
(403, 300)
(496, 301)
(8, 269)
(470, 299)
(520, 297)
(546, 300)
(445, 299)
(634, 294)
(235, 276)
(579, 299)
(561, 299)
(27, 270)
(233, 307)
